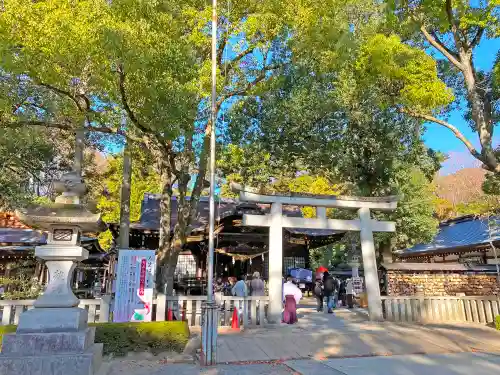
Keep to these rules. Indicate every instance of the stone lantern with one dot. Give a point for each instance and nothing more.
(53, 337)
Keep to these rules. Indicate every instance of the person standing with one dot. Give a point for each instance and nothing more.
(256, 285)
(318, 292)
(342, 293)
(292, 296)
(240, 288)
(349, 290)
(328, 291)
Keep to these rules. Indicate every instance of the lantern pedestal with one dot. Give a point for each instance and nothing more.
(53, 338)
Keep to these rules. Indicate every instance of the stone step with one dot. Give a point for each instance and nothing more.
(86, 363)
(30, 344)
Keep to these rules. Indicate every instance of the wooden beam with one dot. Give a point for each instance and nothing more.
(306, 223)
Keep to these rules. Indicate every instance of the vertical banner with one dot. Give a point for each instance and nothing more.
(134, 286)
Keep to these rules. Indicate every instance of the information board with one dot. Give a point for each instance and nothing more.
(134, 286)
(357, 285)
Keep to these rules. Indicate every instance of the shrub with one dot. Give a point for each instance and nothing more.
(121, 338)
(497, 322)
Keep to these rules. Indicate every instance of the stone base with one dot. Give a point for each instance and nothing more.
(53, 320)
(33, 344)
(86, 363)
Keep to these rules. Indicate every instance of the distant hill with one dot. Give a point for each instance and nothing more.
(463, 186)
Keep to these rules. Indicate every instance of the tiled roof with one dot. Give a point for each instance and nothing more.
(466, 232)
(150, 214)
(10, 220)
(22, 236)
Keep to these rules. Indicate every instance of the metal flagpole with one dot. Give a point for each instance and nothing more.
(210, 313)
(211, 223)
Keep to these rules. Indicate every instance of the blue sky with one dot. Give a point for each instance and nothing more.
(440, 138)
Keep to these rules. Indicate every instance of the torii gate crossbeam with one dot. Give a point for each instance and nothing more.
(276, 222)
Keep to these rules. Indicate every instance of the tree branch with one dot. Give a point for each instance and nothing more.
(441, 43)
(220, 52)
(249, 85)
(238, 58)
(477, 38)
(69, 127)
(441, 48)
(62, 92)
(454, 129)
(130, 113)
(449, 12)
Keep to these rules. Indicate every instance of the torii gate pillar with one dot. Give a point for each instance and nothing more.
(370, 265)
(276, 222)
(275, 264)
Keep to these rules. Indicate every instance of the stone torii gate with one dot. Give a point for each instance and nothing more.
(276, 222)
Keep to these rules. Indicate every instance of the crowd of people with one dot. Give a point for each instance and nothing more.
(327, 290)
(241, 286)
(333, 292)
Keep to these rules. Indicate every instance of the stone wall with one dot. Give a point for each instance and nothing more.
(441, 284)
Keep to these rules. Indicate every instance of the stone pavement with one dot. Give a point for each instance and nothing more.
(348, 333)
(442, 364)
(345, 343)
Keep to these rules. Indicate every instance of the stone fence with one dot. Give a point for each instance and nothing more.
(409, 283)
(182, 308)
(482, 310)
(98, 309)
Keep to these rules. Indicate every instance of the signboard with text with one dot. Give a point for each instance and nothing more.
(134, 286)
(357, 285)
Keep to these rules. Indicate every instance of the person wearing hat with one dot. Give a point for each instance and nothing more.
(256, 285)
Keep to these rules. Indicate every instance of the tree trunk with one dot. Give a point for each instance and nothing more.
(480, 105)
(125, 199)
(385, 251)
(164, 273)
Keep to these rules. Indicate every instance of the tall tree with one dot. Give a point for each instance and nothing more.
(449, 31)
(149, 60)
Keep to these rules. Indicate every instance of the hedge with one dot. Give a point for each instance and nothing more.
(497, 322)
(121, 338)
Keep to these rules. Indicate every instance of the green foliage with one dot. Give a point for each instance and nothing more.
(491, 184)
(497, 322)
(328, 256)
(308, 184)
(27, 160)
(414, 217)
(243, 165)
(397, 70)
(21, 284)
(144, 180)
(154, 337)
(450, 32)
(121, 338)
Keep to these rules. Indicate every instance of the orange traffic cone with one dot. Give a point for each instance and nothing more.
(170, 315)
(235, 324)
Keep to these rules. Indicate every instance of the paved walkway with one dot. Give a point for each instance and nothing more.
(442, 364)
(345, 343)
(348, 333)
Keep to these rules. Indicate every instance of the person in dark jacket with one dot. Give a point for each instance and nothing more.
(329, 291)
(342, 293)
(318, 293)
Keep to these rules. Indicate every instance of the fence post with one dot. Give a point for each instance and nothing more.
(104, 309)
(161, 305)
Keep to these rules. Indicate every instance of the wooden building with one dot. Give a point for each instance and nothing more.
(240, 250)
(17, 246)
(468, 239)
